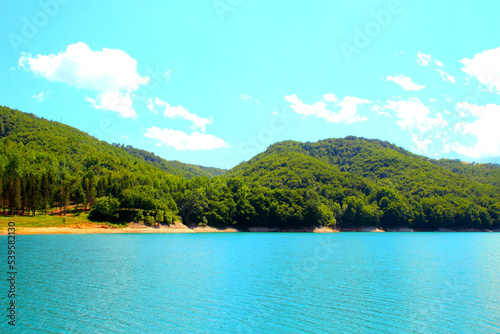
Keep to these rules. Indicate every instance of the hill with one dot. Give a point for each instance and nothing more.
(344, 182)
(172, 167)
(405, 187)
(46, 165)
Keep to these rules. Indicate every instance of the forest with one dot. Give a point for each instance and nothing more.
(50, 168)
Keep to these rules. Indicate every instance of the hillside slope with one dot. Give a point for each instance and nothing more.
(427, 192)
(172, 167)
(46, 164)
(351, 181)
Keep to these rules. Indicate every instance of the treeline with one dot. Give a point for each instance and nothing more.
(37, 182)
(48, 167)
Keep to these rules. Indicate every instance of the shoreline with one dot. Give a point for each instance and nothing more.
(95, 228)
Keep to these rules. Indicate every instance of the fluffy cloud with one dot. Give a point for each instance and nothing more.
(347, 112)
(446, 77)
(414, 117)
(183, 141)
(485, 67)
(413, 114)
(422, 144)
(110, 72)
(180, 112)
(405, 82)
(114, 101)
(485, 129)
(423, 59)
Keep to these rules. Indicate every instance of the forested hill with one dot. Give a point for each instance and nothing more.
(377, 177)
(383, 163)
(47, 166)
(41, 135)
(172, 167)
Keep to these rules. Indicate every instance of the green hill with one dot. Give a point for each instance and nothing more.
(46, 165)
(427, 193)
(346, 182)
(172, 167)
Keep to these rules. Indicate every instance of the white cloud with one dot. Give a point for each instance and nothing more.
(114, 101)
(380, 110)
(40, 97)
(446, 77)
(485, 67)
(413, 114)
(347, 113)
(248, 98)
(110, 72)
(179, 111)
(405, 82)
(183, 141)
(330, 97)
(485, 129)
(151, 107)
(423, 59)
(422, 144)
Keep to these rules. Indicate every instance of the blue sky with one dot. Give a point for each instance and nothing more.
(216, 82)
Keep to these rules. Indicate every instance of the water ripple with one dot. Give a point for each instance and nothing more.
(260, 283)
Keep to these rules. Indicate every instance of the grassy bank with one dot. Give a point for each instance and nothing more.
(54, 220)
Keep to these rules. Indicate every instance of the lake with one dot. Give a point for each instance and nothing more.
(258, 283)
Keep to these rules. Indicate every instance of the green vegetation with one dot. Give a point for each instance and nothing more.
(350, 182)
(71, 219)
(172, 167)
(46, 165)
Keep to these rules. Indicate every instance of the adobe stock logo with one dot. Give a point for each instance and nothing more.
(30, 27)
(372, 29)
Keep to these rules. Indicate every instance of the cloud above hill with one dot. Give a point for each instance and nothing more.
(112, 73)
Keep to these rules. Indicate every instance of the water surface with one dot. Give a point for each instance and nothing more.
(258, 283)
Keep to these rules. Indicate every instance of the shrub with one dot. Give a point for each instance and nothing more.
(105, 209)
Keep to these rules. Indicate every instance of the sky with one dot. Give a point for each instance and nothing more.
(214, 82)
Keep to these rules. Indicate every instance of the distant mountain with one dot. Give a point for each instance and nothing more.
(172, 167)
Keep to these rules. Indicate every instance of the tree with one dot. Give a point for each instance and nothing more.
(105, 209)
(149, 220)
(159, 216)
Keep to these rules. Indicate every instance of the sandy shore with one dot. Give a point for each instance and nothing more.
(138, 228)
(90, 228)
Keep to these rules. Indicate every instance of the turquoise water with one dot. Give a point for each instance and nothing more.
(258, 283)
